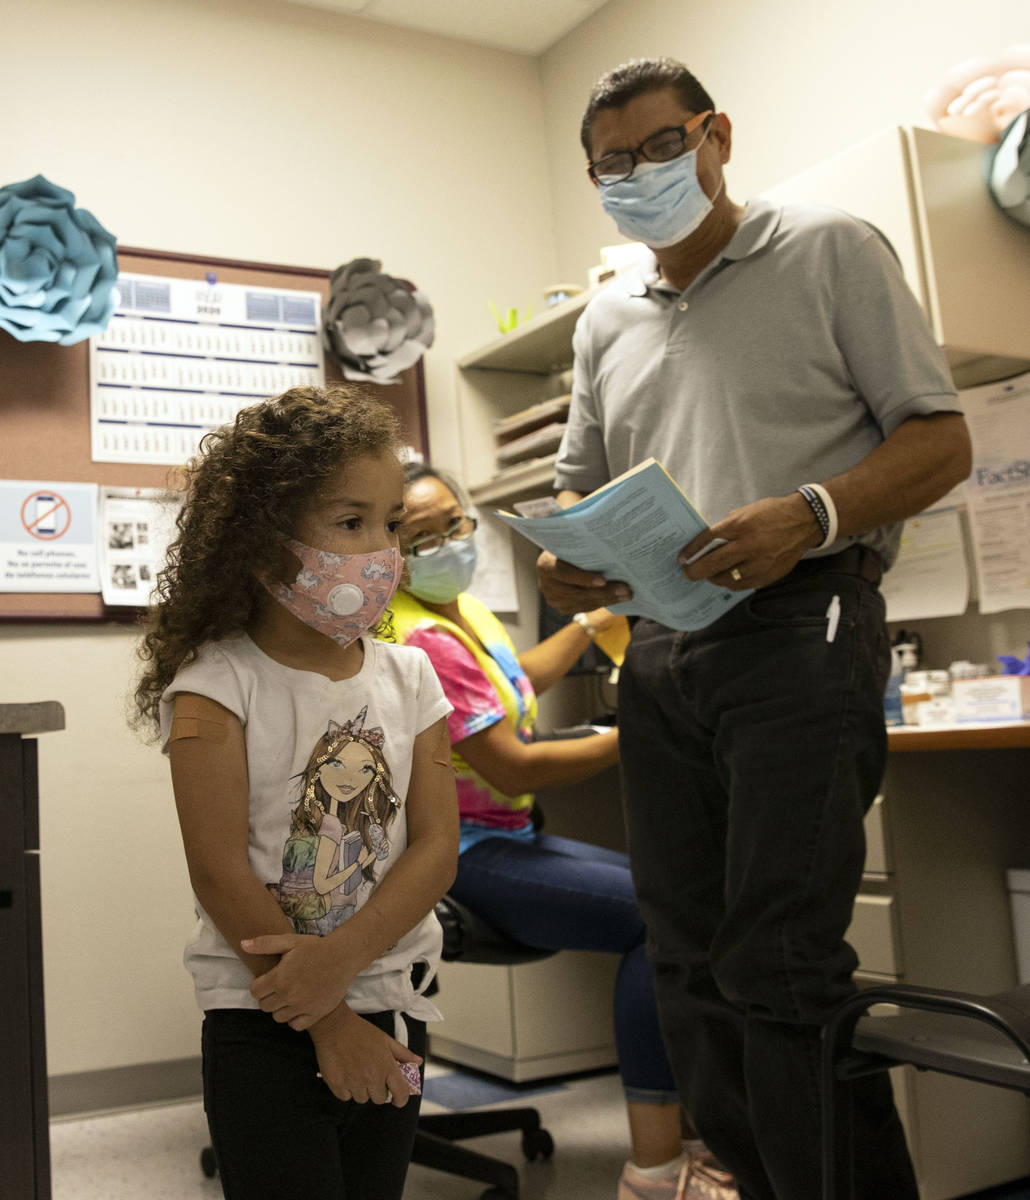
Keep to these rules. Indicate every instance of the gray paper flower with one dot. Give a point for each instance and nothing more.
(375, 325)
(58, 265)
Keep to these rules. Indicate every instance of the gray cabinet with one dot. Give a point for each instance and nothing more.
(24, 1127)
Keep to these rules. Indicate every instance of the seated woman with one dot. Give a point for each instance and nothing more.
(541, 890)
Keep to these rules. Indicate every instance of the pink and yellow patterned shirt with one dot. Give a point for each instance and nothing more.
(484, 683)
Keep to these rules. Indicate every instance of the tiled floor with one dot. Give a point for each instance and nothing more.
(155, 1152)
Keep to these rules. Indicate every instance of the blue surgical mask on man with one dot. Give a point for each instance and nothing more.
(441, 577)
(661, 203)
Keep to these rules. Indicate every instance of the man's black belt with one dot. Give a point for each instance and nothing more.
(855, 560)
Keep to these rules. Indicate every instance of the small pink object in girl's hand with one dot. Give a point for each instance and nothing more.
(410, 1072)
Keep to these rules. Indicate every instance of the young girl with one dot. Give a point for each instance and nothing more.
(311, 770)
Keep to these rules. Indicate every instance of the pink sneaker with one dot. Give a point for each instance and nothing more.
(707, 1169)
(635, 1186)
(706, 1182)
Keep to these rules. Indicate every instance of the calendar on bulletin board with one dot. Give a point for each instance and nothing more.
(194, 340)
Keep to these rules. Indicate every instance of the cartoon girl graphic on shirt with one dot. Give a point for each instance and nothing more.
(339, 829)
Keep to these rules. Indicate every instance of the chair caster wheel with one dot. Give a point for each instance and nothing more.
(207, 1162)
(537, 1143)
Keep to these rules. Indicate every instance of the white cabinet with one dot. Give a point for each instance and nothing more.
(968, 264)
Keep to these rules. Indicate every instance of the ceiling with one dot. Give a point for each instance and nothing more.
(524, 26)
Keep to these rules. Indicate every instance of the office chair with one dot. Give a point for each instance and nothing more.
(468, 938)
(983, 1038)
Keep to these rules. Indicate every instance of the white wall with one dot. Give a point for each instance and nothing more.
(116, 901)
(799, 79)
(250, 131)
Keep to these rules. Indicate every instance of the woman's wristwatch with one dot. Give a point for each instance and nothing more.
(583, 621)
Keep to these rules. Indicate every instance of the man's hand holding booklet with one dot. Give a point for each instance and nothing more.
(633, 529)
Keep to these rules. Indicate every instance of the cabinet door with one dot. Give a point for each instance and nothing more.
(966, 263)
(976, 260)
(24, 1131)
(871, 181)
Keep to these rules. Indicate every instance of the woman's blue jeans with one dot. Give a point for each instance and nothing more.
(751, 751)
(560, 894)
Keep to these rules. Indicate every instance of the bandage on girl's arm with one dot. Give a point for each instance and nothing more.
(208, 757)
(199, 717)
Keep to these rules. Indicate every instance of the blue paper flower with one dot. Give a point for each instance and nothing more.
(58, 265)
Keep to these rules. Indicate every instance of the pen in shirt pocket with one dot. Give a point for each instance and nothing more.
(832, 618)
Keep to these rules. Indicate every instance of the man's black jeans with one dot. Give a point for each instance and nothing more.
(751, 751)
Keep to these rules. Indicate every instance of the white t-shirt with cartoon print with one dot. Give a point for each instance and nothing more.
(329, 763)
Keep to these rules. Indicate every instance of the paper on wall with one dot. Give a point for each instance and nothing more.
(181, 357)
(48, 536)
(930, 577)
(494, 583)
(998, 491)
(136, 527)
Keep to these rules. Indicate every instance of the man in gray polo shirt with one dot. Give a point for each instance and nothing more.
(762, 350)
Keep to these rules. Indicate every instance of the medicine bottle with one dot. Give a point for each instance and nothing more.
(915, 691)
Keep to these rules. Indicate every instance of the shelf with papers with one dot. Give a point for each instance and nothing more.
(542, 346)
(533, 478)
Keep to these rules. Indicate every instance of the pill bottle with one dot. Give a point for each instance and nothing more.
(915, 691)
(939, 683)
(941, 708)
(962, 669)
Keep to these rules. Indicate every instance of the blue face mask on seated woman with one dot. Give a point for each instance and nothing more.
(440, 578)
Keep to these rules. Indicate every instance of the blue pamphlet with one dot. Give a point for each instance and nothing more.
(632, 529)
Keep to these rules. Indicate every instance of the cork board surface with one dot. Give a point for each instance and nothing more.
(45, 412)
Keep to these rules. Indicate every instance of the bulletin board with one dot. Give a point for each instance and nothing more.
(45, 411)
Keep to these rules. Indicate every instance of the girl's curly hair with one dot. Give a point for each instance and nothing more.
(245, 491)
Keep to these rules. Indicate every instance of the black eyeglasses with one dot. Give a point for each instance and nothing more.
(660, 147)
(460, 531)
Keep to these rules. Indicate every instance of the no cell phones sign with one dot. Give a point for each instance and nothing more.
(48, 536)
(46, 515)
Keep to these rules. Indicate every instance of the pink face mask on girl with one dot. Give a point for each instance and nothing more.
(340, 595)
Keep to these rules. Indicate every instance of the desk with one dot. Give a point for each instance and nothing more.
(990, 735)
(934, 909)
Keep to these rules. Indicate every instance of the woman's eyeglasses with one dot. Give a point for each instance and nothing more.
(460, 531)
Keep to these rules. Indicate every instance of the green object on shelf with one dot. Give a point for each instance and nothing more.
(511, 319)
